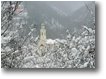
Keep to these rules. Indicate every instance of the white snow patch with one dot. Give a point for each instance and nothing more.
(50, 41)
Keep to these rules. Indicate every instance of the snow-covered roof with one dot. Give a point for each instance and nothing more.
(50, 41)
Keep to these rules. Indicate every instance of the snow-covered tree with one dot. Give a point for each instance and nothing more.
(74, 52)
(19, 49)
(13, 19)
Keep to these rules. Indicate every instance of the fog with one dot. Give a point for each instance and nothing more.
(67, 42)
(59, 16)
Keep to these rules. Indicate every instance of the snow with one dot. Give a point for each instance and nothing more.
(74, 51)
(71, 52)
(50, 41)
(61, 40)
(67, 53)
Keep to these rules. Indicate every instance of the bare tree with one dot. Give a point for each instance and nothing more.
(8, 10)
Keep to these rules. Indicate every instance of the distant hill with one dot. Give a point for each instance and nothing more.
(59, 16)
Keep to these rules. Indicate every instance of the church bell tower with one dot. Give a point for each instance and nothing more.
(42, 41)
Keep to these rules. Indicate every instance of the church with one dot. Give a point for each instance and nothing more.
(44, 44)
(42, 41)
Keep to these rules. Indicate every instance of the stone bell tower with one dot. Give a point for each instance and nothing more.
(42, 41)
